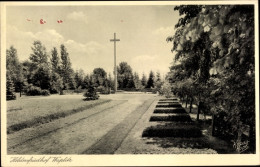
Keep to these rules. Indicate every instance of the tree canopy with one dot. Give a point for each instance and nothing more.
(214, 46)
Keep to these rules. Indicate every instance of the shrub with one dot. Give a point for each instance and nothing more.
(34, 91)
(169, 110)
(172, 131)
(91, 93)
(103, 90)
(168, 105)
(168, 102)
(175, 118)
(45, 92)
(169, 99)
(166, 90)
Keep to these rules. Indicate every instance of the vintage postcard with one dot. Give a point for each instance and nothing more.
(129, 83)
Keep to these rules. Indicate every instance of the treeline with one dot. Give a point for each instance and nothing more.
(45, 74)
(214, 68)
(127, 79)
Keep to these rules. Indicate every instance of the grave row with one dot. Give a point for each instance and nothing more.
(171, 120)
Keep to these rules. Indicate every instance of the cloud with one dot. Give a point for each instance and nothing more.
(145, 63)
(83, 55)
(21, 40)
(168, 31)
(88, 56)
(77, 16)
(90, 48)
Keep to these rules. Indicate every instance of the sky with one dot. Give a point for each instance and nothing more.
(86, 32)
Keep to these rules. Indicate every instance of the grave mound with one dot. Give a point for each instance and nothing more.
(175, 118)
(183, 131)
(169, 110)
(168, 105)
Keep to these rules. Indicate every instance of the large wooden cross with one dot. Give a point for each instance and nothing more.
(115, 70)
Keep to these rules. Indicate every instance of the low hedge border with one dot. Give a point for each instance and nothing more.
(175, 118)
(168, 106)
(170, 99)
(164, 131)
(169, 110)
(167, 102)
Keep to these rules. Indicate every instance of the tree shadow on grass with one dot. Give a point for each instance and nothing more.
(204, 142)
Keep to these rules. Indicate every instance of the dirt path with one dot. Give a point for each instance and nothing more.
(76, 133)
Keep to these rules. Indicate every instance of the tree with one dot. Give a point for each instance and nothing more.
(150, 82)
(125, 75)
(85, 82)
(39, 55)
(214, 46)
(39, 67)
(42, 77)
(144, 80)
(56, 83)
(91, 93)
(79, 78)
(55, 60)
(15, 69)
(99, 76)
(137, 81)
(158, 82)
(67, 72)
(10, 93)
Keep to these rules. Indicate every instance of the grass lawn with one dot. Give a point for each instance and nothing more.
(26, 112)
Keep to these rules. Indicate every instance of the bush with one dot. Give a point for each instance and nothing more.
(91, 93)
(45, 92)
(168, 105)
(168, 102)
(11, 96)
(169, 110)
(169, 99)
(103, 90)
(172, 131)
(34, 91)
(175, 118)
(166, 90)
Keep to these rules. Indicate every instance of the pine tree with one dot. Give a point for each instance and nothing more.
(10, 93)
(144, 80)
(150, 82)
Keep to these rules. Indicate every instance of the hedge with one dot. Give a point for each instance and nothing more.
(169, 99)
(172, 131)
(169, 110)
(168, 105)
(175, 118)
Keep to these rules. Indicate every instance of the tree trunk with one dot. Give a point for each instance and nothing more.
(61, 91)
(191, 100)
(186, 101)
(213, 125)
(198, 114)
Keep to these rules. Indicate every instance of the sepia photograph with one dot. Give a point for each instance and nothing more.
(129, 83)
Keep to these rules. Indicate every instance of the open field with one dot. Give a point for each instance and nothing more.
(76, 133)
(27, 112)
